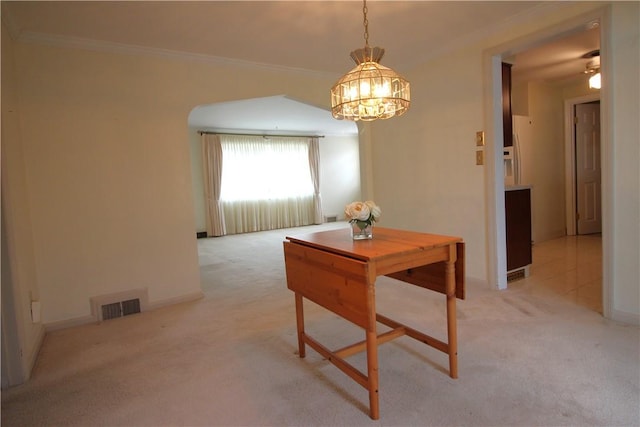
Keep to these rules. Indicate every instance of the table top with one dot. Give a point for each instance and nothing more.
(386, 242)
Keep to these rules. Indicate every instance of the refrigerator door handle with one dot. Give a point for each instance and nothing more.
(516, 159)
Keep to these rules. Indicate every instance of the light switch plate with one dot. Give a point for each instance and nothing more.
(479, 157)
(480, 138)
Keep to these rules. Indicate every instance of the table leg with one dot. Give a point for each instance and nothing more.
(372, 351)
(451, 318)
(300, 325)
(372, 374)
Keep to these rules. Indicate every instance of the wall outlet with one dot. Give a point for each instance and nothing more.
(479, 157)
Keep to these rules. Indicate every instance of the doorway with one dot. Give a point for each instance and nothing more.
(495, 184)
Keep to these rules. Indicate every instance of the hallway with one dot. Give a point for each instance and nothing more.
(569, 266)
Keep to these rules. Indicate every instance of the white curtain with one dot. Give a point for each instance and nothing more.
(266, 183)
(212, 169)
(314, 169)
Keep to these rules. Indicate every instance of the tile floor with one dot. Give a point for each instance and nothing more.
(569, 266)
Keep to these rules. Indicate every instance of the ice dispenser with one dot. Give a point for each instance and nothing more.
(509, 166)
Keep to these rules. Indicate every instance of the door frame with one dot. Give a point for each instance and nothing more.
(570, 160)
(494, 182)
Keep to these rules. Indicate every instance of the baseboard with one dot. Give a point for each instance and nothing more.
(69, 323)
(556, 234)
(625, 317)
(176, 300)
(85, 320)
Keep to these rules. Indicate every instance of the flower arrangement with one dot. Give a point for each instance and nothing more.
(363, 214)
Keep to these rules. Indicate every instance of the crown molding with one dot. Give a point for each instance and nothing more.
(128, 49)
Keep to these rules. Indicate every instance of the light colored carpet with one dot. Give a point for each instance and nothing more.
(527, 358)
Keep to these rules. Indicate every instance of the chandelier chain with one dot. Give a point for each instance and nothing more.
(366, 24)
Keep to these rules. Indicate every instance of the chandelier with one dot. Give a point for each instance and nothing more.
(370, 91)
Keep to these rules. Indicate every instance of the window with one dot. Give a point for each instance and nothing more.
(264, 168)
(255, 183)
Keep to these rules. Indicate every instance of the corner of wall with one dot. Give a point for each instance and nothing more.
(32, 357)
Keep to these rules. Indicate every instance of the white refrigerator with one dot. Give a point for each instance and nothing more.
(518, 158)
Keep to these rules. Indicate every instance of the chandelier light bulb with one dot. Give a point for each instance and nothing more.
(365, 89)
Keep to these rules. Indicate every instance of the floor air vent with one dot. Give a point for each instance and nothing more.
(119, 309)
(112, 306)
(516, 275)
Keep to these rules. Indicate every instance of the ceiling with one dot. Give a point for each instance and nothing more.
(310, 36)
(274, 115)
(560, 60)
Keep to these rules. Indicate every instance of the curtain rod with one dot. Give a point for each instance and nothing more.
(201, 132)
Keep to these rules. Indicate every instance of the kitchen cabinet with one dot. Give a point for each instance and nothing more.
(507, 113)
(517, 203)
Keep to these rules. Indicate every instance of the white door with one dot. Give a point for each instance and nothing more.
(588, 189)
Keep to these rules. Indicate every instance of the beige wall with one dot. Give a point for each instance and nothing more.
(197, 180)
(425, 177)
(339, 173)
(17, 231)
(621, 79)
(104, 142)
(520, 99)
(546, 110)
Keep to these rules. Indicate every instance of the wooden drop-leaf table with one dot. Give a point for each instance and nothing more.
(338, 273)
